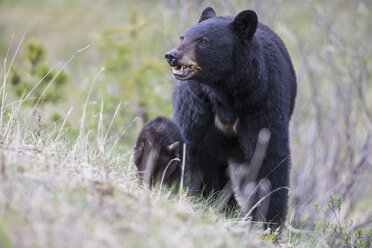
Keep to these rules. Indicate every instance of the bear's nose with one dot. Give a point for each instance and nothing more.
(172, 57)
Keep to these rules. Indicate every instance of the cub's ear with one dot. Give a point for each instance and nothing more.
(245, 24)
(173, 148)
(207, 13)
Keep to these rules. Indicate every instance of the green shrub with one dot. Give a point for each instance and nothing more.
(135, 71)
(338, 232)
(43, 82)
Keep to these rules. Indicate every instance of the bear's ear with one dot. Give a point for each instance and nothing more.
(207, 13)
(245, 24)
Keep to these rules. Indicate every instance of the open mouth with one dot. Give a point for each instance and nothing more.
(183, 72)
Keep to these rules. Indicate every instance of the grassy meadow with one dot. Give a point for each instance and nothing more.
(80, 78)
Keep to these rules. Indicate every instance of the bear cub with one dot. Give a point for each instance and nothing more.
(158, 152)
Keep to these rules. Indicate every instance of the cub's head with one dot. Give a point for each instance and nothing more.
(156, 163)
(157, 154)
(208, 50)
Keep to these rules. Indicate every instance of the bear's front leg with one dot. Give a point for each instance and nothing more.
(264, 186)
(206, 174)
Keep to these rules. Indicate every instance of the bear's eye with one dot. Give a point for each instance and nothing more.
(203, 40)
(181, 38)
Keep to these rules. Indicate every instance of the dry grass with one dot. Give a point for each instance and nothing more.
(51, 199)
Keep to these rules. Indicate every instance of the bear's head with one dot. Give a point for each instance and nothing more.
(211, 49)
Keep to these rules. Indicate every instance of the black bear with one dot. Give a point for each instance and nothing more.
(237, 81)
(158, 152)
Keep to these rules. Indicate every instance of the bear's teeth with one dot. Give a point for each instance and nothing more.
(182, 68)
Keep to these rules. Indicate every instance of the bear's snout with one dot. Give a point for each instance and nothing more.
(184, 66)
(172, 57)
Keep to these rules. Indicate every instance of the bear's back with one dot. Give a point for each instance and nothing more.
(273, 46)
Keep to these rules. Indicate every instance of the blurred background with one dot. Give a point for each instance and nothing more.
(113, 52)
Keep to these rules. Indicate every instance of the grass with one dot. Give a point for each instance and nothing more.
(71, 183)
(54, 193)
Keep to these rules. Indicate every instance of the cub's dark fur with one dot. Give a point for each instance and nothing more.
(158, 152)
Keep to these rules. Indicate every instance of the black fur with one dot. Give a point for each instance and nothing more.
(164, 137)
(245, 73)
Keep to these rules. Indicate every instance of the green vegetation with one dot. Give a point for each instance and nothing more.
(340, 234)
(82, 83)
(50, 80)
(133, 69)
